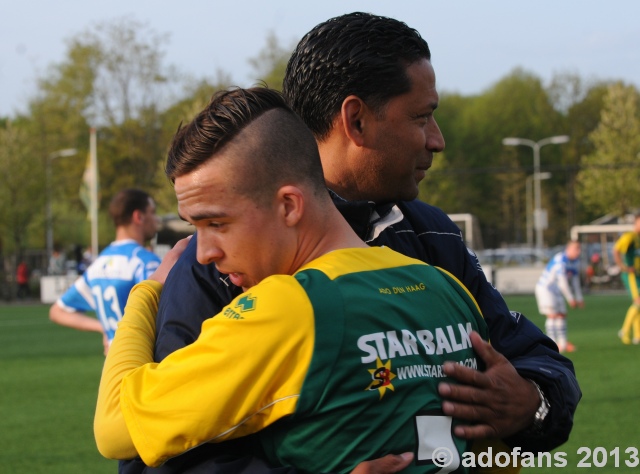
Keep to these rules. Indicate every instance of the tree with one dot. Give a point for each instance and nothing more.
(20, 188)
(129, 77)
(581, 104)
(131, 89)
(490, 179)
(194, 98)
(112, 78)
(608, 181)
(271, 63)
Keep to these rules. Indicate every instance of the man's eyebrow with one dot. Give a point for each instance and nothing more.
(204, 216)
(429, 107)
(433, 105)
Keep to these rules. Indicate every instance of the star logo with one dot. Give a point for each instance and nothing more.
(381, 377)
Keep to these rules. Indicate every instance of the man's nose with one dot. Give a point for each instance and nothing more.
(208, 252)
(435, 139)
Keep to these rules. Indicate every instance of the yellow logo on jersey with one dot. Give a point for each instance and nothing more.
(381, 377)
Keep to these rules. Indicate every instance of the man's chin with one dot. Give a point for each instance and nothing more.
(409, 193)
(401, 193)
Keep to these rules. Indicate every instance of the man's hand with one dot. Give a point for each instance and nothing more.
(499, 401)
(169, 260)
(387, 465)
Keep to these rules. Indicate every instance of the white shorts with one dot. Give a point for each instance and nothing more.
(550, 302)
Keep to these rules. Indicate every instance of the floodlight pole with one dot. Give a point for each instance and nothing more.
(49, 185)
(537, 198)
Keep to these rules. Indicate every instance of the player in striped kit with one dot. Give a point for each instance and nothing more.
(559, 281)
(104, 287)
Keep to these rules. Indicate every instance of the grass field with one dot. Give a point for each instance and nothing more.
(48, 387)
(608, 373)
(49, 377)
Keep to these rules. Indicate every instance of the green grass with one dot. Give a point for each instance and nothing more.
(49, 380)
(607, 371)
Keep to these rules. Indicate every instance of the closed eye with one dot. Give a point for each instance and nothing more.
(424, 117)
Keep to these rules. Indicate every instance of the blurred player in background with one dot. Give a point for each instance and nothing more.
(559, 281)
(626, 253)
(104, 287)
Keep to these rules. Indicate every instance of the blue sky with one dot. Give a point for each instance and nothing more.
(474, 43)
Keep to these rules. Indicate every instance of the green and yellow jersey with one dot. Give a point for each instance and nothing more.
(628, 245)
(334, 365)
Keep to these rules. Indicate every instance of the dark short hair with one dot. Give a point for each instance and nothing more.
(125, 203)
(281, 149)
(357, 53)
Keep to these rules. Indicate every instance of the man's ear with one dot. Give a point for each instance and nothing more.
(291, 204)
(355, 115)
(137, 216)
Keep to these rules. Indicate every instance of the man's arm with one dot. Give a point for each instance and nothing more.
(577, 290)
(533, 355)
(71, 307)
(513, 412)
(76, 319)
(530, 355)
(132, 348)
(619, 249)
(565, 287)
(197, 407)
(193, 293)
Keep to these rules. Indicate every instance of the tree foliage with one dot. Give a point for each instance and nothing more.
(609, 179)
(194, 98)
(487, 179)
(271, 62)
(114, 78)
(21, 190)
(129, 77)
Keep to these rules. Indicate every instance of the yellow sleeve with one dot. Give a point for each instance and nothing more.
(623, 243)
(131, 348)
(244, 372)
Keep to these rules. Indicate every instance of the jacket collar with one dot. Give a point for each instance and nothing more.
(361, 215)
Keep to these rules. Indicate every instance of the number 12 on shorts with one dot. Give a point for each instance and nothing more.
(435, 442)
